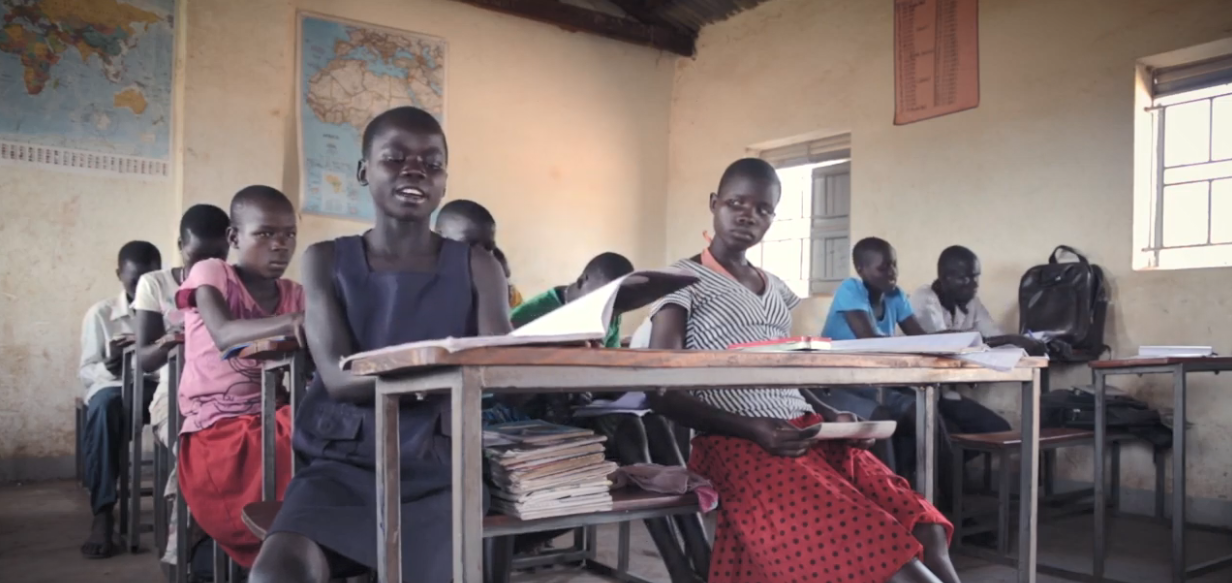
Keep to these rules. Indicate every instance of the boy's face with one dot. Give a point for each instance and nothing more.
(880, 271)
(743, 210)
(405, 171)
(961, 280)
(195, 249)
(264, 234)
(589, 283)
(130, 271)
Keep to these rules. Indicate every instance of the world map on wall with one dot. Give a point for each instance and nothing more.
(349, 73)
(86, 84)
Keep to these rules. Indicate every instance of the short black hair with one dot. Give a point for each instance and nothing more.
(609, 266)
(414, 118)
(138, 253)
(862, 253)
(954, 254)
(752, 168)
(204, 221)
(467, 211)
(258, 194)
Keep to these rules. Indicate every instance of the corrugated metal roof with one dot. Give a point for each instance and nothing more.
(694, 14)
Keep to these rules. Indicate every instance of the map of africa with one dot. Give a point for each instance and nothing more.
(86, 84)
(349, 73)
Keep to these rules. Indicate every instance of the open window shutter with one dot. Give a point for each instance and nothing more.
(816, 151)
(1191, 76)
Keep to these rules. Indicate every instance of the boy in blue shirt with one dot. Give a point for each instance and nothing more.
(869, 306)
(872, 304)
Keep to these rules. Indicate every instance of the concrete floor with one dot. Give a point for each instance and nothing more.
(43, 524)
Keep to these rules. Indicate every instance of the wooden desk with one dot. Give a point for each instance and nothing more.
(1179, 368)
(467, 375)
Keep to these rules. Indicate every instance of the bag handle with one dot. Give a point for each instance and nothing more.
(1052, 259)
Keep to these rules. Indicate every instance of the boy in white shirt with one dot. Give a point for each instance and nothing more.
(106, 331)
(203, 235)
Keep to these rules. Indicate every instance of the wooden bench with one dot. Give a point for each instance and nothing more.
(1003, 445)
(628, 505)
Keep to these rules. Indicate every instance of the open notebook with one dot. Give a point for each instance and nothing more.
(584, 319)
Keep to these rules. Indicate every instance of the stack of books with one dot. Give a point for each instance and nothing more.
(541, 470)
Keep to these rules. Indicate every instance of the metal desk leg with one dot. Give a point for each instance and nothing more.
(1178, 475)
(926, 441)
(1101, 506)
(269, 462)
(388, 489)
(467, 445)
(299, 381)
(1029, 488)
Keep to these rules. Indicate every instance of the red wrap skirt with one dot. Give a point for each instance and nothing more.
(836, 514)
(220, 473)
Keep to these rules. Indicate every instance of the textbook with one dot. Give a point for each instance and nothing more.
(540, 469)
(853, 430)
(585, 319)
(953, 343)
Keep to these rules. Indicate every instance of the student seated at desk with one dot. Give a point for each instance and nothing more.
(791, 509)
(868, 306)
(950, 304)
(626, 433)
(220, 459)
(106, 331)
(203, 235)
(398, 282)
(471, 223)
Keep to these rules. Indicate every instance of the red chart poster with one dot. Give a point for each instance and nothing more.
(936, 58)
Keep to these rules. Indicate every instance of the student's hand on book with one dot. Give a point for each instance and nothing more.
(848, 417)
(170, 339)
(779, 437)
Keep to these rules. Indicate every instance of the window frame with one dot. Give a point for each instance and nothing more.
(1163, 81)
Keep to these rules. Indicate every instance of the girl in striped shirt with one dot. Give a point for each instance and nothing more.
(792, 509)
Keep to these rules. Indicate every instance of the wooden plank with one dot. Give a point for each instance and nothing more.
(419, 358)
(268, 349)
(1213, 361)
(573, 18)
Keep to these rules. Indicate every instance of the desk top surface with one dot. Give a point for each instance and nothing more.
(268, 349)
(1206, 361)
(429, 357)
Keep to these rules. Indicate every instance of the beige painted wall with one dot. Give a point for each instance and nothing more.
(563, 136)
(1045, 159)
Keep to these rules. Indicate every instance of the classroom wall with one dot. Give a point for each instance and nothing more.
(563, 136)
(1045, 159)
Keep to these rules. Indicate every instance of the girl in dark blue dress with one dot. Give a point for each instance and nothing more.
(397, 283)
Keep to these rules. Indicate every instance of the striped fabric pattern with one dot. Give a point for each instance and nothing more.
(723, 312)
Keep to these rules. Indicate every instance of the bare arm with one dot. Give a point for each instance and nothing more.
(861, 323)
(227, 331)
(326, 329)
(491, 293)
(667, 333)
(912, 327)
(150, 353)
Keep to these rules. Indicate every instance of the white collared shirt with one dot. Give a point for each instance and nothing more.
(933, 317)
(104, 321)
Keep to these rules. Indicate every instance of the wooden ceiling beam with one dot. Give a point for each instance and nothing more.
(573, 18)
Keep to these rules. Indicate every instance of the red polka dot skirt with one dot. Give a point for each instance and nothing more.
(836, 514)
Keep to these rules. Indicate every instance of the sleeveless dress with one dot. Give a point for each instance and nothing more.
(333, 500)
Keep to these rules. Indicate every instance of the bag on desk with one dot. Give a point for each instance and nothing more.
(1075, 409)
(1068, 303)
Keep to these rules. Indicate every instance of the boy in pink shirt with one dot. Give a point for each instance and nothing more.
(225, 305)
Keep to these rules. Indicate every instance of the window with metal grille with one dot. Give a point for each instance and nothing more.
(809, 242)
(1190, 210)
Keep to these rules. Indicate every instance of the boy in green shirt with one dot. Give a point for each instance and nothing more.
(602, 270)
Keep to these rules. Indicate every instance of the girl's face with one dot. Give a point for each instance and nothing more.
(405, 171)
(264, 235)
(743, 210)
